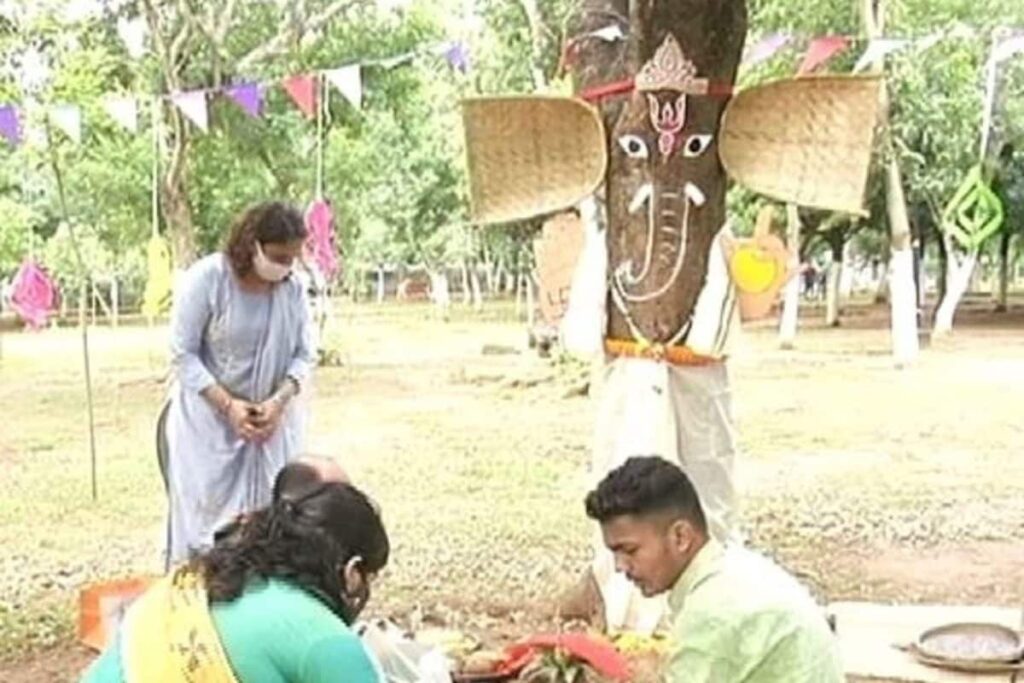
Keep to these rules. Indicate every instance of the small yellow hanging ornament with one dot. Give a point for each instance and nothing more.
(759, 266)
(157, 297)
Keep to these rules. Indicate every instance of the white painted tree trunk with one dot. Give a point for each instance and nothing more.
(835, 272)
(115, 302)
(846, 273)
(791, 297)
(440, 293)
(380, 285)
(474, 283)
(958, 277)
(902, 289)
(467, 295)
(530, 303)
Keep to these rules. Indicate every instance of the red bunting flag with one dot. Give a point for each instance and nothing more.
(820, 51)
(302, 90)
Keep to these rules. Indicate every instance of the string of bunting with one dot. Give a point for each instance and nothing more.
(302, 89)
(819, 52)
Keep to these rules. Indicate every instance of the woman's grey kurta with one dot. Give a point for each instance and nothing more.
(248, 343)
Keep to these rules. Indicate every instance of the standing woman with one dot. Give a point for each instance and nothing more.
(241, 350)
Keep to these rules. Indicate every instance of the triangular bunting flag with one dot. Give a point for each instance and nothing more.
(133, 35)
(766, 48)
(458, 57)
(248, 96)
(820, 51)
(929, 41)
(349, 82)
(10, 125)
(302, 90)
(877, 50)
(193, 105)
(124, 110)
(68, 117)
(1008, 48)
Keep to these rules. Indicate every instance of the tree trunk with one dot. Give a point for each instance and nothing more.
(380, 285)
(791, 298)
(902, 290)
(1003, 290)
(903, 294)
(664, 214)
(115, 302)
(474, 283)
(882, 284)
(665, 204)
(835, 272)
(467, 295)
(958, 278)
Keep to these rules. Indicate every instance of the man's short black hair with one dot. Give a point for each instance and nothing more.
(646, 485)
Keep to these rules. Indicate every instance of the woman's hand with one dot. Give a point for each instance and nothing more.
(265, 418)
(241, 416)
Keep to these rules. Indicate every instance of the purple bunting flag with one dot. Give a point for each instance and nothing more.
(248, 96)
(10, 125)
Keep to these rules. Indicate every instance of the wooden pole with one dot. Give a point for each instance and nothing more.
(83, 273)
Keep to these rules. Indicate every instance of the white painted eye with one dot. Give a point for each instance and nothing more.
(634, 146)
(696, 145)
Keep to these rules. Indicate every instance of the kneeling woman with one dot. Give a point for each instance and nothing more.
(271, 602)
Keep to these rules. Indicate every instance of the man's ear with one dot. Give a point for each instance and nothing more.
(682, 536)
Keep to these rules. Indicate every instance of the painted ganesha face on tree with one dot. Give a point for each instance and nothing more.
(666, 197)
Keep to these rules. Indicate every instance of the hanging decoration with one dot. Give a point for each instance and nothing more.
(193, 105)
(556, 253)
(765, 49)
(349, 82)
(877, 50)
(820, 51)
(302, 90)
(759, 266)
(33, 294)
(10, 125)
(133, 34)
(159, 276)
(457, 55)
(975, 212)
(248, 96)
(68, 118)
(320, 245)
(124, 110)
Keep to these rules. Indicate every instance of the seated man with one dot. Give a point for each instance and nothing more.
(736, 616)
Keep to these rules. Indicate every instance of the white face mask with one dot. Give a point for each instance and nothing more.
(267, 269)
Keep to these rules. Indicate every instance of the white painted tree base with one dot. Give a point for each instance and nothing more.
(958, 277)
(903, 304)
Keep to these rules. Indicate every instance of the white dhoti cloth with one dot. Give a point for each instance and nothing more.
(683, 414)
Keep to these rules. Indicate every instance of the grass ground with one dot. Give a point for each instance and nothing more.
(868, 482)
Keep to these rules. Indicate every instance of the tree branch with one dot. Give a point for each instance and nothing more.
(279, 44)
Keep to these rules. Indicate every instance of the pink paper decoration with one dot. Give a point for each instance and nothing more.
(321, 240)
(34, 295)
(820, 51)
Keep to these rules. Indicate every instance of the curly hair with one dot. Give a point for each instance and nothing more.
(642, 486)
(306, 536)
(269, 222)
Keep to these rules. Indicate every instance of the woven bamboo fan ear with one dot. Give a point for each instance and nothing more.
(807, 141)
(530, 155)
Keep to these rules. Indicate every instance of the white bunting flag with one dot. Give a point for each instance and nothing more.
(349, 82)
(877, 50)
(193, 105)
(68, 118)
(124, 110)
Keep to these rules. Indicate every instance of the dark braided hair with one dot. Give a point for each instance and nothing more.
(269, 222)
(646, 485)
(306, 536)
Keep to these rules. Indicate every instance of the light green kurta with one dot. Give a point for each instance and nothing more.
(739, 618)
